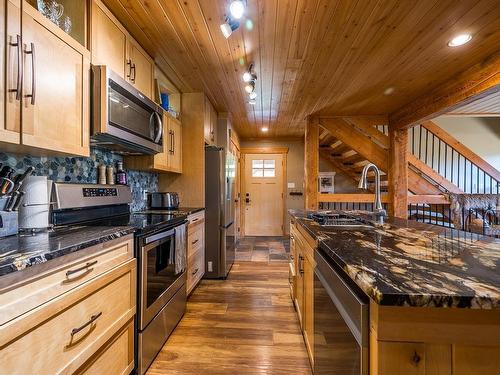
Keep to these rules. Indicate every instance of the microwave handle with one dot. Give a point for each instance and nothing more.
(159, 132)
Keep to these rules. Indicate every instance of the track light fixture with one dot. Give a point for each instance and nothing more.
(229, 26)
(249, 75)
(250, 87)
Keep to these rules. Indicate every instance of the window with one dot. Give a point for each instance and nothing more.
(264, 168)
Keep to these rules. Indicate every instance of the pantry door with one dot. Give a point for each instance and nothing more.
(262, 196)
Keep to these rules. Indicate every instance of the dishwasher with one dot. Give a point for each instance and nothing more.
(341, 331)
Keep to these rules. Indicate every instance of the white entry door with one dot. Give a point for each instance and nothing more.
(262, 197)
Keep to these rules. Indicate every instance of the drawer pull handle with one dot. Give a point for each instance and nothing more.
(195, 219)
(416, 358)
(192, 243)
(195, 271)
(85, 267)
(92, 319)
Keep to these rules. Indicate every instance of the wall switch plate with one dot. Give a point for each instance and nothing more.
(291, 185)
(210, 267)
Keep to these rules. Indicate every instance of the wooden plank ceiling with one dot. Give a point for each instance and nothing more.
(311, 56)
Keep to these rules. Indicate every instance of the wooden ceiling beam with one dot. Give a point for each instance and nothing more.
(367, 126)
(479, 81)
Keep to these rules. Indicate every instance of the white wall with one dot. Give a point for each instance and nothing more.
(480, 134)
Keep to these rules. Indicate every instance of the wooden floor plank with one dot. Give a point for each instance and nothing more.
(243, 325)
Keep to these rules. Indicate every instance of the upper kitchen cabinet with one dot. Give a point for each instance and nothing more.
(47, 75)
(113, 46)
(210, 123)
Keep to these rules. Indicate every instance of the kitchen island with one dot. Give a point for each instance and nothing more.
(434, 300)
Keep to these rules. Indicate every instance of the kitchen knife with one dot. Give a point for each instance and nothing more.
(19, 199)
(18, 182)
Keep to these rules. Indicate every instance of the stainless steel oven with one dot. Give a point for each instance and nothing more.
(340, 322)
(162, 289)
(123, 119)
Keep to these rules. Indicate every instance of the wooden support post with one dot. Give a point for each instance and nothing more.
(398, 173)
(311, 163)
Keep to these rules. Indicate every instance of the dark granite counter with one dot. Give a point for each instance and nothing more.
(23, 251)
(405, 263)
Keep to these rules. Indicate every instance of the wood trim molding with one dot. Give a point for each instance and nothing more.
(370, 198)
(428, 199)
(475, 83)
(311, 163)
(264, 150)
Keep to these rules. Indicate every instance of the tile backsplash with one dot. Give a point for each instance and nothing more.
(83, 170)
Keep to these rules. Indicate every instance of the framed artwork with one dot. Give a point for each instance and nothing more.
(326, 182)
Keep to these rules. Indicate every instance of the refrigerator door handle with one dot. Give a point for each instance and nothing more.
(227, 225)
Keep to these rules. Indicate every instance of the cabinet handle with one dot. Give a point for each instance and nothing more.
(33, 73)
(192, 243)
(84, 267)
(129, 63)
(301, 260)
(132, 67)
(195, 271)
(195, 219)
(18, 45)
(173, 142)
(92, 319)
(416, 358)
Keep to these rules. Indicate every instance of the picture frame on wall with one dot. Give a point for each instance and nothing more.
(326, 182)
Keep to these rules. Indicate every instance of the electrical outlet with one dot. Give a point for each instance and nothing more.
(210, 267)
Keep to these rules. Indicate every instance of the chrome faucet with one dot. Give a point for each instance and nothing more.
(363, 184)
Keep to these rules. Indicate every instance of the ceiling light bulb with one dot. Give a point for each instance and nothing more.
(237, 8)
(247, 77)
(250, 87)
(226, 30)
(459, 40)
(252, 95)
(264, 129)
(252, 102)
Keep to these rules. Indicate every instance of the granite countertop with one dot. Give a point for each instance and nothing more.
(190, 210)
(22, 251)
(405, 263)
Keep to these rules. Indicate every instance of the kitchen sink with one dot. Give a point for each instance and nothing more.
(332, 220)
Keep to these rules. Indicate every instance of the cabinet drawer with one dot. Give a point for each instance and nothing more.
(196, 241)
(64, 274)
(116, 357)
(196, 219)
(195, 269)
(60, 336)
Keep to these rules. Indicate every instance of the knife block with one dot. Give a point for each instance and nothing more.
(8, 220)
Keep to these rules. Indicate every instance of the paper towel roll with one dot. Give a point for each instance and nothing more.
(34, 212)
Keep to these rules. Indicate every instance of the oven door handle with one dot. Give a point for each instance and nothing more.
(159, 236)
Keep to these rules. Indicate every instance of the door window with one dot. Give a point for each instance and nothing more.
(264, 168)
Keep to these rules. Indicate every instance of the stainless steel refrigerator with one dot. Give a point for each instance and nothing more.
(220, 172)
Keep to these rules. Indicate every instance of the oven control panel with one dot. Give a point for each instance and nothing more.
(100, 192)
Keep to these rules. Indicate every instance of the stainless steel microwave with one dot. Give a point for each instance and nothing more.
(123, 119)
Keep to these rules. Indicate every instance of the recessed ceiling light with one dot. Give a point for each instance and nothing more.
(237, 8)
(264, 129)
(389, 91)
(459, 40)
(252, 102)
(253, 95)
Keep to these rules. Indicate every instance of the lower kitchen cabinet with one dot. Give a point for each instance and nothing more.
(302, 248)
(81, 319)
(170, 160)
(195, 250)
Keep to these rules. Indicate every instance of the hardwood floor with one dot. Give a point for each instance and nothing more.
(243, 325)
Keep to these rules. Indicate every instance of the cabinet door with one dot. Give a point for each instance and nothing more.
(160, 161)
(308, 317)
(207, 124)
(213, 126)
(109, 40)
(175, 157)
(142, 69)
(11, 63)
(56, 88)
(299, 296)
